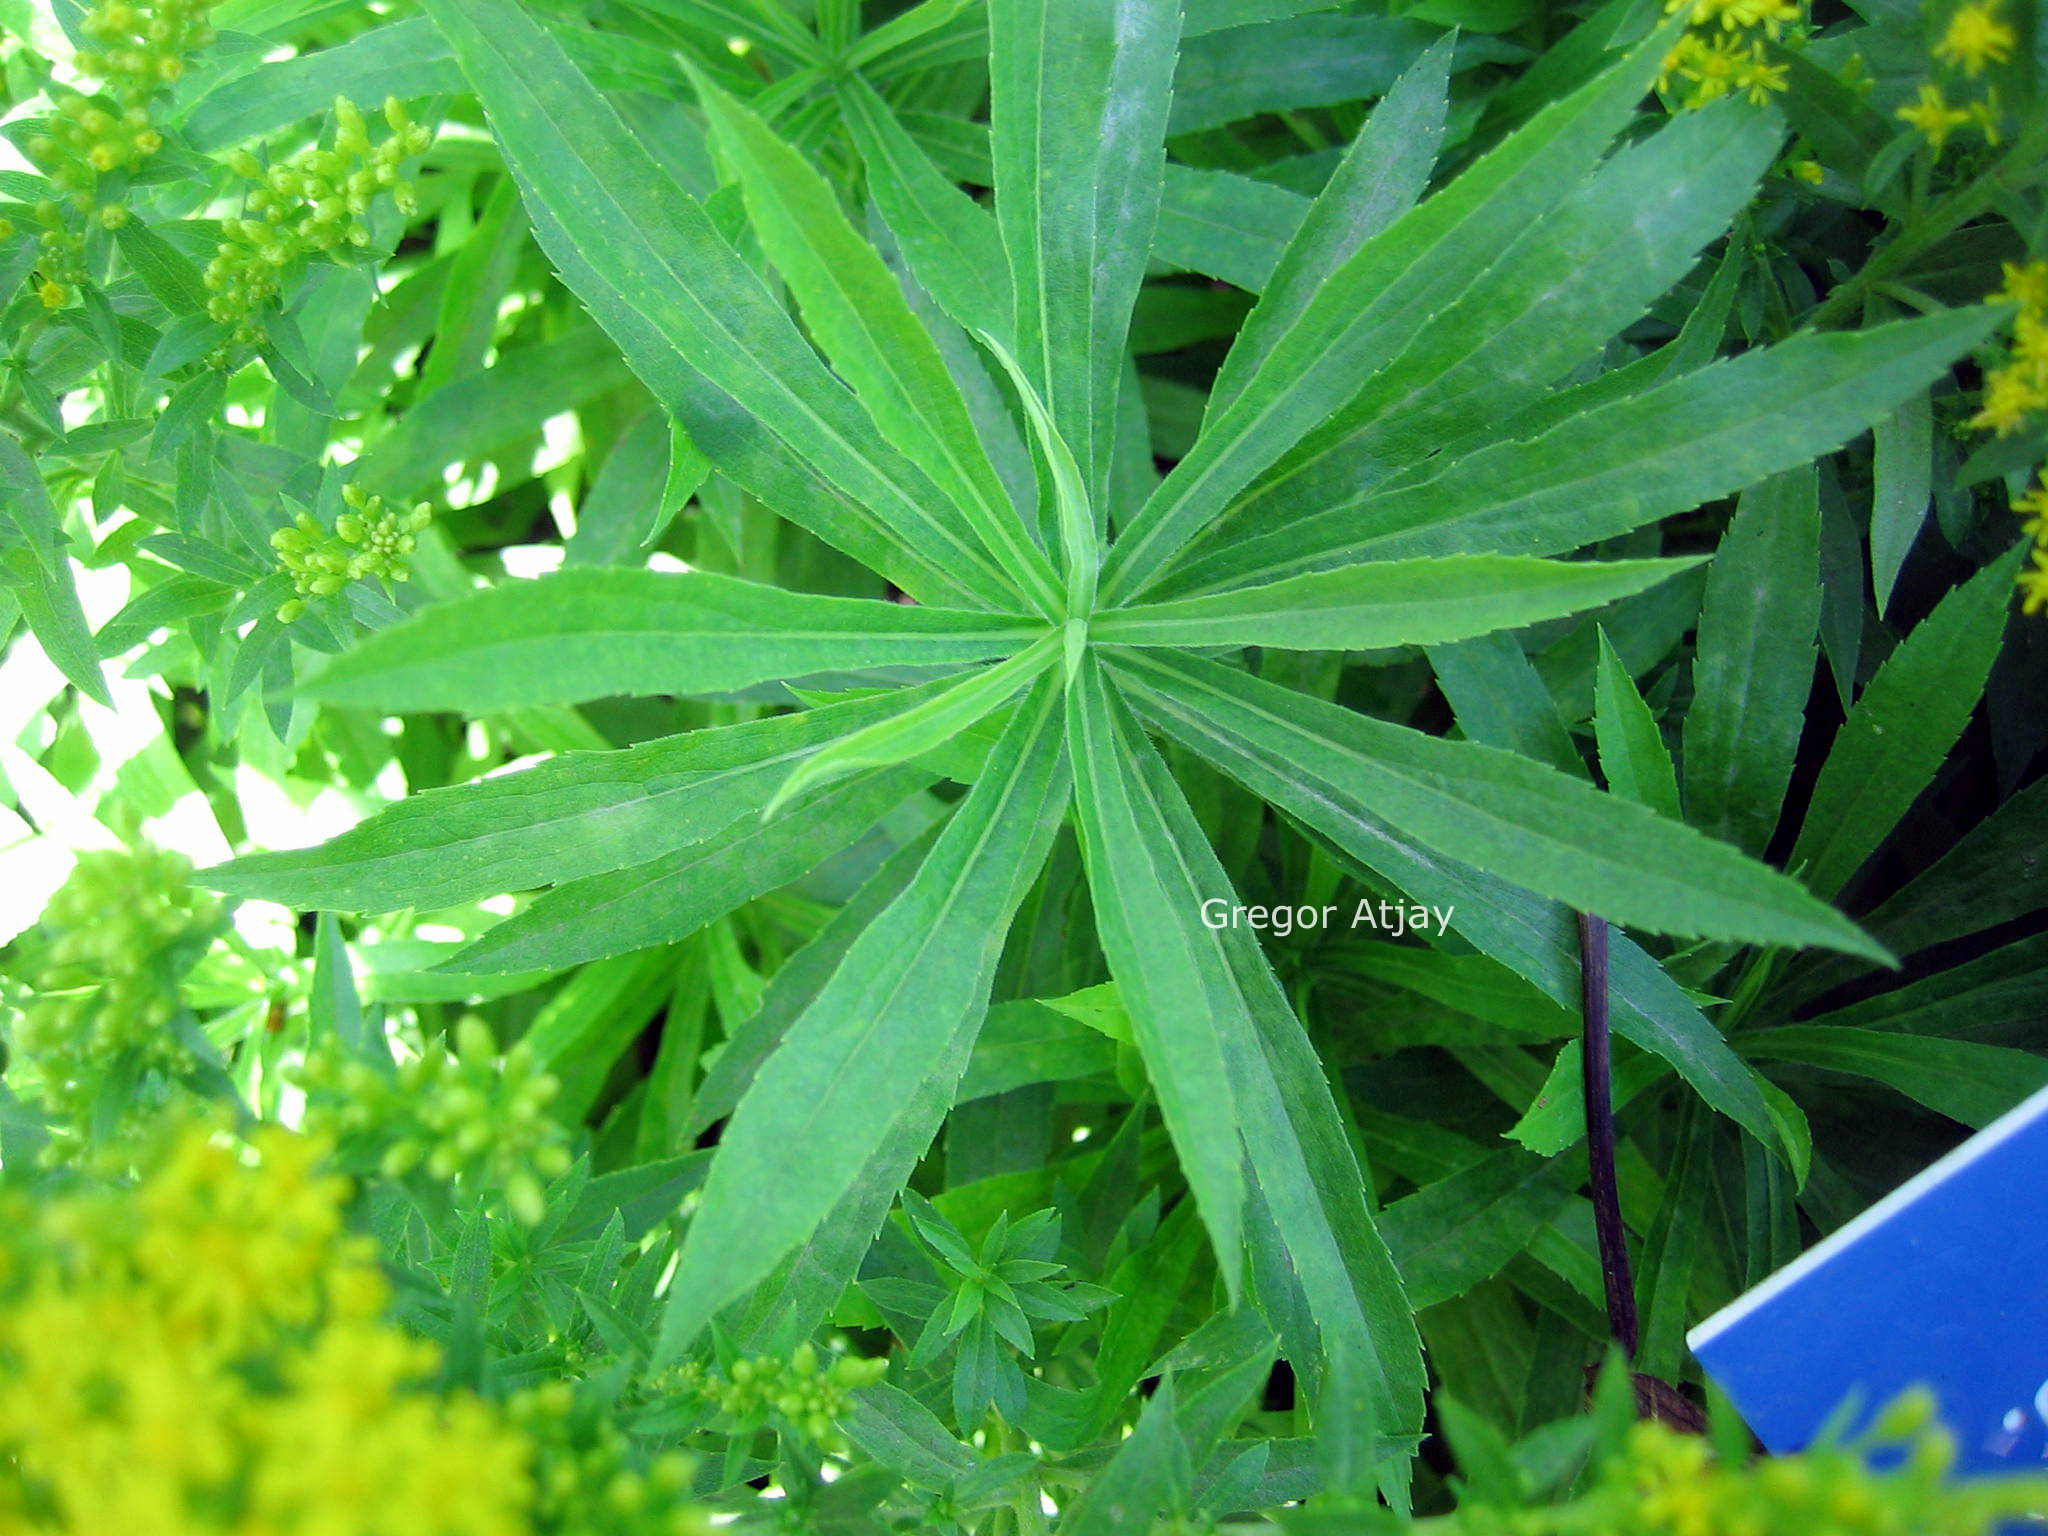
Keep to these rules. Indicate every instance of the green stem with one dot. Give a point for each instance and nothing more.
(2010, 173)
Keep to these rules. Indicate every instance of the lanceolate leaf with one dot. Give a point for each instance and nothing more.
(911, 991)
(586, 634)
(1620, 465)
(1078, 521)
(1170, 971)
(1078, 103)
(1236, 1077)
(1502, 813)
(1959, 1078)
(1456, 1232)
(855, 310)
(1754, 666)
(1902, 727)
(1633, 757)
(32, 550)
(695, 323)
(1396, 602)
(1381, 177)
(673, 896)
(1225, 225)
(925, 727)
(578, 814)
(948, 239)
(1585, 267)
(1369, 310)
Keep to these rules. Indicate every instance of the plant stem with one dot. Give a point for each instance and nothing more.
(2012, 172)
(1599, 1083)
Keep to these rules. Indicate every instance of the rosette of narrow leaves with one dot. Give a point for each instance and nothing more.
(988, 1304)
(1400, 449)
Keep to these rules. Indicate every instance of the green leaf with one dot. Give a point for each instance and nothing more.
(589, 634)
(923, 728)
(1504, 814)
(1237, 1078)
(1225, 225)
(1754, 664)
(165, 270)
(1673, 1248)
(1902, 727)
(1996, 998)
(1148, 1476)
(696, 324)
(1501, 699)
(481, 273)
(909, 995)
(1902, 471)
(1450, 1235)
(673, 896)
(1078, 106)
(34, 552)
(1621, 464)
(1993, 875)
(1534, 937)
(1381, 176)
(489, 409)
(949, 241)
(1397, 602)
(1962, 1079)
(796, 985)
(637, 489)
(1633, 757)
(1080, 546)
(405, 59)
(1369, 310)
(1589, 262)
(578, 814)
(1171, 975)
(855, 310)
(1282, 65)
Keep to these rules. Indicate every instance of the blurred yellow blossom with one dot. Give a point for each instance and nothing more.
(203, 1354)
(2034, 584)
(1723, 52)
(2025, 285)
(2032, 505)
(1934, 117)
(1975, 37)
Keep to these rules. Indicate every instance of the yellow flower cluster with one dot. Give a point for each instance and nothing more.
(2032, 505)
(368, 540)
(1722, 52)
(103, 978)
(139, 51)
(460, 1114)
(1974, 38)
(314, 202)
(2018, 388)
(2015, 391)
(203, 1354)
(1664, 1483)
(808, 1394)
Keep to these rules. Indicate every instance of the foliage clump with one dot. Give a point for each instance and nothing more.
(102, 983)
(461, 1113)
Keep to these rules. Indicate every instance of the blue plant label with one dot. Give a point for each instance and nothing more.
(1943, 1282)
